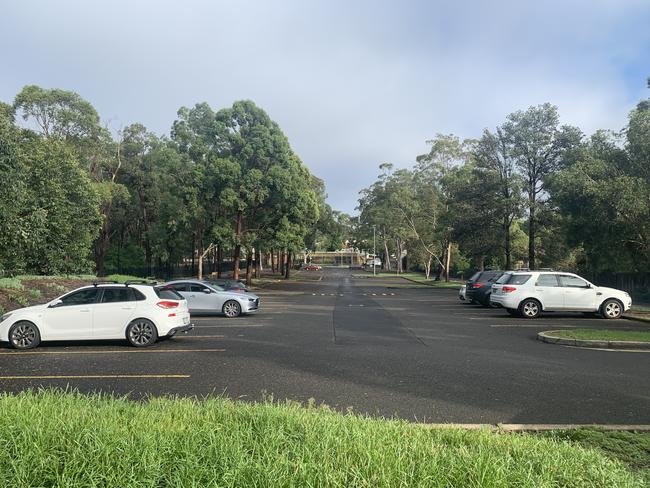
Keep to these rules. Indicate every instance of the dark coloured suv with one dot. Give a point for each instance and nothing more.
(479, 286)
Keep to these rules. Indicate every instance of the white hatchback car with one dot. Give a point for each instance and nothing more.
(139, 313)
(528, 293)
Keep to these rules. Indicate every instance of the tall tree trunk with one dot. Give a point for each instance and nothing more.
(237, 253)
(398, 243)
(387, 256)
(101, 248)
(448, 262)
(273, 261)
(531, 226)
(287, 266)
(249, 267)
(506, 234)
(281, 261)
(427, 267)
(199, 254)
(219, 260)
(258, 262)
(193, 248)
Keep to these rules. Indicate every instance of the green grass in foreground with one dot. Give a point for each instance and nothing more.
(603, 334)
(56, 439)
(631, 448)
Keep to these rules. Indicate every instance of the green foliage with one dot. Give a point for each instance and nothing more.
(11, 284)
(75, 440)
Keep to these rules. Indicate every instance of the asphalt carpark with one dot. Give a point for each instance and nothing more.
(384, 347)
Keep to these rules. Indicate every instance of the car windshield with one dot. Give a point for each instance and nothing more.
(474, 276)
(167, 293)
(518, 279)
(504, 278)
(212, 284)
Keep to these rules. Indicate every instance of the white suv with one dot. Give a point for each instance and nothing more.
(528, 293)
(139, 313)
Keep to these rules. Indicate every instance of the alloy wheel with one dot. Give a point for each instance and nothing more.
(530, 309)
(231, 309)
(141, 333)
(24, 335)
(612, 309)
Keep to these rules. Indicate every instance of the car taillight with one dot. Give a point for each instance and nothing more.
(166, 304)
(478, 285)
(508, 289)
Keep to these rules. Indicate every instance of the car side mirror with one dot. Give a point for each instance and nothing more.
(207, 291)
(55, 303)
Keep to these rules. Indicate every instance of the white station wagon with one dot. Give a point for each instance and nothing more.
(136, 312)
(529, 293)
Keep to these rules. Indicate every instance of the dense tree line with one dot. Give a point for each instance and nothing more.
(75, 197)
(531, 192)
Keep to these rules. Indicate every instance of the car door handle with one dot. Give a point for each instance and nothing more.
(85, 310)
(128, 308)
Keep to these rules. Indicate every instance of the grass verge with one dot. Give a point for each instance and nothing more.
(416, 277)
(604, 335)
(630, 448)
(67, 439)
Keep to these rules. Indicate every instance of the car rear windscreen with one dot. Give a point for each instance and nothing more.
(167, 293)
(518, 279)
(475, 276)
(504, 278)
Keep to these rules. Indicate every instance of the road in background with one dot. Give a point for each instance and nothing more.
(385, 347)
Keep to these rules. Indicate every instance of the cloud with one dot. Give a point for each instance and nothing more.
(353, 84)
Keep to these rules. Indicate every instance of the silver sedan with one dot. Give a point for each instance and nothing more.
(205, 297)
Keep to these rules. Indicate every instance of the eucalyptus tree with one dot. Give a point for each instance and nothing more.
(497, 187)
(538, 147)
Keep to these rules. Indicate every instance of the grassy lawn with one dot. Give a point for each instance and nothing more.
(630, 448)
(603, 334)
(417, 277)
(66, 439)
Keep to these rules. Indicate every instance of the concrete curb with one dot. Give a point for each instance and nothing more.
(637, 318)
(551, 339)
(542, 427)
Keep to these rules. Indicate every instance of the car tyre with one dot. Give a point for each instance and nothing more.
(611, 309)
(24, 335)
(142, 333)
(530, 308)
(486, 301)
(231, 309)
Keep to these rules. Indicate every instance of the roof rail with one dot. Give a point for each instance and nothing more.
(545, 269)
(103, 282)
(140, 282)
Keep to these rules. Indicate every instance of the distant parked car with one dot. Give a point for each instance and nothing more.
(204, 297)
(529, 293)
(461, 292)
(312, 267)
(138, 313)
(479, 286)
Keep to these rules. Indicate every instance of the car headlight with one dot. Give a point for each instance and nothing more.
(5, 317)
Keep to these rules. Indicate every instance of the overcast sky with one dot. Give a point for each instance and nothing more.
(352, 83)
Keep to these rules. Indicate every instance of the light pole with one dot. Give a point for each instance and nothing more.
(374, 251)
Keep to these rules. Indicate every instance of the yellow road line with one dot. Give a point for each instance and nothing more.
(94, 376)
(125, 351)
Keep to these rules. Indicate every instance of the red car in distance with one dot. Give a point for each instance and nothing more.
(312, 267)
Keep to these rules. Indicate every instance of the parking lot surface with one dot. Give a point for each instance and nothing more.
(384, 347)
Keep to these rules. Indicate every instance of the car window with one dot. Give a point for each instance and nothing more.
(475, 276)
(491, 277)
(81, 297)
(518, 279)
(114, 295)
(572, 281)
(167, 293)
(178, 286)
(547, 280)
(138, 295)
(504, 278)
(194, 287)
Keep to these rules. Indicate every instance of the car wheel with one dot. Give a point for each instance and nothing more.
(141, 333)
(486, 301)
(514, 312)
(24, 335)
(611, 309)
(530, 308)
(231, 309)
